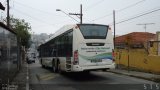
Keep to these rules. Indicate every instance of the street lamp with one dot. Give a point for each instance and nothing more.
(58, 9)
(66, 14)
(80, 14)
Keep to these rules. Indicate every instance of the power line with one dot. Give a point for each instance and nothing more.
(39, 19)
(110, 14)
(145, 25)
(144, 12)
(66, 14)
(80, 14)
(130, 6)
(138, 16)
(42, 11)
(33, 17)
(93, 5)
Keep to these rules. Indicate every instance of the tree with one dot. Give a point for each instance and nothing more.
(22, 29)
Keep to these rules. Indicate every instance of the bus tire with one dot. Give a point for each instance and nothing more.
(54, 66)
(59, 68)
(42, 64)
(104, 70)
(86, 72)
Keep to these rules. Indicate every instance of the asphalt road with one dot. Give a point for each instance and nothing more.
(44, 79)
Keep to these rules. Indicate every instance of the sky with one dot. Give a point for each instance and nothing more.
(43, 17)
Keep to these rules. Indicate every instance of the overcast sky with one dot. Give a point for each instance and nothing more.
(43, 17)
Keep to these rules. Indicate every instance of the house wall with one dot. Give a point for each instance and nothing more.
(138, 59)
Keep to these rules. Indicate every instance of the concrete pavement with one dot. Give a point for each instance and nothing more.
(142, 75)
(21, 78)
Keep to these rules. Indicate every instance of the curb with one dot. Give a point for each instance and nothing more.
(157, 80)
(27, 79)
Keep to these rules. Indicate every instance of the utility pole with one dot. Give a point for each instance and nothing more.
(80, 14)
(8, 27)
(145, 25)
(114, 23)
(114, 38)
(8, 17)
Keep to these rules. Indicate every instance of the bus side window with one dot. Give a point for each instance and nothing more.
(53, 52)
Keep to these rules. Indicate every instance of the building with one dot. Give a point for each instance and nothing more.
(134, 39)
(138, 51)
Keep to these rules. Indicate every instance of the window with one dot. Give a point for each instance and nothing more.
(64, 44)
(60, 46)
(94, 31)
(70, 44)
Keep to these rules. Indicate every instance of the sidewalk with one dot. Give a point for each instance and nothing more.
(21, 77)
(142, 75)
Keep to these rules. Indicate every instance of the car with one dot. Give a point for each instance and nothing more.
(31, 57)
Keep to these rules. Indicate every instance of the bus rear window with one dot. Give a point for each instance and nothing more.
(94, 31)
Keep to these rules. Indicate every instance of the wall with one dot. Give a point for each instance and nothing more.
(139, 59)
(8, 54)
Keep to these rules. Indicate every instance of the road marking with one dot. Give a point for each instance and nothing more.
(47, 76)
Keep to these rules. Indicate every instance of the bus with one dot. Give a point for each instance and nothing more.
(78, 48)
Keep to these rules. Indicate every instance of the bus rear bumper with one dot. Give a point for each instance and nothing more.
(77, 68)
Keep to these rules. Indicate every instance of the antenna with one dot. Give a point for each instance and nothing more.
(145, 25)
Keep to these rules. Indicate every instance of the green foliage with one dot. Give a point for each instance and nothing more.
(22, 29)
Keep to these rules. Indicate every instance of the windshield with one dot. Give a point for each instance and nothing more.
(94, 31)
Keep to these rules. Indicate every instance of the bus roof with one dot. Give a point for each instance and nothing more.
(60, 31)
(64, 29)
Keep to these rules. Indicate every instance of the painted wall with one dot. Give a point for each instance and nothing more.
(139, 59)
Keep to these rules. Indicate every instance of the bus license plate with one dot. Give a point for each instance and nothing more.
(96, 60)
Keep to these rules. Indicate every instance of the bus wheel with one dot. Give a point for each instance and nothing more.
(104, 70)
(59, 68)
(53, 66)
(42, 64)
(86, 72)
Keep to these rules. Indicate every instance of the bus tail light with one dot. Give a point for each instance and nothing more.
(113, 55)
(75, 57)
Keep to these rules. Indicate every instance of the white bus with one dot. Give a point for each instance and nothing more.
(79, 47)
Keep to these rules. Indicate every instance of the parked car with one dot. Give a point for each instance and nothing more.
(31, 57)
